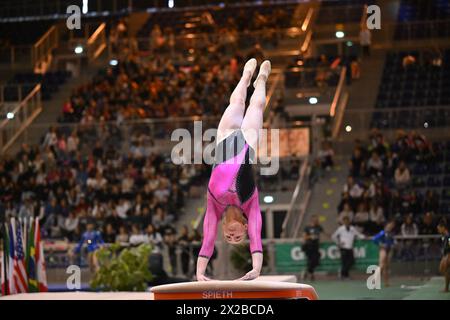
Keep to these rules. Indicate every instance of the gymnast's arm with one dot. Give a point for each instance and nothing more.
(254, 234)
(209, 237)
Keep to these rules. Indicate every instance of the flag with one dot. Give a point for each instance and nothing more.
(31, 259)
(10, 269)
(40, 260)
(20, 273)
(5, 255)
(3, 275)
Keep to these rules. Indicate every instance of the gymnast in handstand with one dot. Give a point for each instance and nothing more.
(232, 196)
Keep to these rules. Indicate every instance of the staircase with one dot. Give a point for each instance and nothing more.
(326, 195)
(52, 109)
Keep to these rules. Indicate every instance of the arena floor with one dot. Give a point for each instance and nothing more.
(400, 289)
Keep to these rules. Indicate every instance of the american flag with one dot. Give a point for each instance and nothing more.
(20, 273)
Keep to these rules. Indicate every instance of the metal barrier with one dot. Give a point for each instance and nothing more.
(41, 51)
(412, 256)
(96, 42)
(339, 104)
(426, 119)
(297, 207)
(416, 255)
(22, 116)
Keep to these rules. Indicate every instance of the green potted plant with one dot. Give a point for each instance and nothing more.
(122, 269)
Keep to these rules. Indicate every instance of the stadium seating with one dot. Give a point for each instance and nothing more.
(421, 19)
(421, 85)
(350, 11)
(179, 20)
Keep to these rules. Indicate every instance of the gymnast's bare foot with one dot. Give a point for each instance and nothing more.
(249, 69)
(264, 71)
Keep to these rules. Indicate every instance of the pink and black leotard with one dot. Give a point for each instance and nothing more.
(232, 183)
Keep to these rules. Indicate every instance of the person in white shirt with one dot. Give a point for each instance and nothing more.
(353, 189)
(137, 236)
(408, 229)
(345, 237)
(346, 212)
(402, 175)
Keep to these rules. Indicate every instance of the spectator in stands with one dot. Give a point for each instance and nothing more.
(184, 243)
(137, 237)
(354, 190)
(346, 212)
(365, 39)
(170, 242)
(355, 69)
(408, 229)
(257, 53)
(427, 225)
(375, 165)
(153, 236)
(357, 163)
(70, 226)
(408, 61)
(377, 218)
(162, 220)
(402, 176)
(431, 202)
(326, 155)
(344, 237)
(311, 244)
(122, 238)
(109, 235)
(361, 218)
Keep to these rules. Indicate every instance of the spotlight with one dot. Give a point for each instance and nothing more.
(10, 115)
(113, 62)
(425, 124)
(268, 199)
(348, 128)
(78, 50)
(170, 4)
(313, 100)
(340, 34)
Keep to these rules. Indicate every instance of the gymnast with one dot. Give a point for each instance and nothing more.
(232, 196)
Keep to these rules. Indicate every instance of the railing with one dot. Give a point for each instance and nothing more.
(339, 104)
(41, 51)
(45, 8)
(414, 34)
(429, 120)
(25, 112)
(297, 207)
(416, 255)
(97, 42)
(188, 41)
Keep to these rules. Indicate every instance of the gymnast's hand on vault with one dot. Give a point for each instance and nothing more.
(202, 277)
(252, 274)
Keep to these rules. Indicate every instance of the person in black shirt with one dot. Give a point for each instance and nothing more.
(109, 234)
(311, 243)
(444, 266)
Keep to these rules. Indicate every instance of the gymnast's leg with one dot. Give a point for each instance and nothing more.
(234, 113)
(253, 120)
